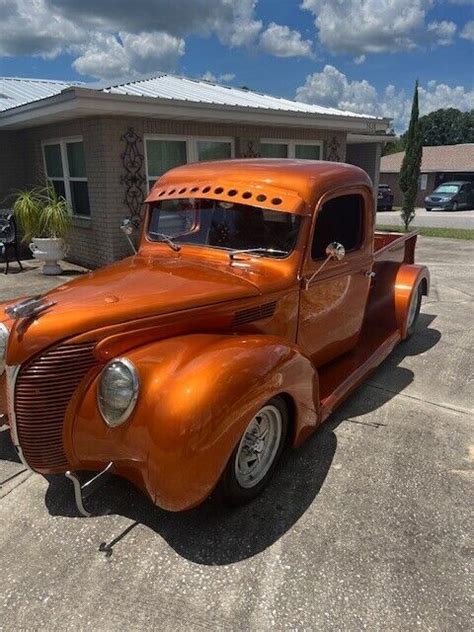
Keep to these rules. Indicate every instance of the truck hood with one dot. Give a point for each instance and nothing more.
(134, 288)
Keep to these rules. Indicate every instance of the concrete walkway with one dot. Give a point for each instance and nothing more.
(366, 526)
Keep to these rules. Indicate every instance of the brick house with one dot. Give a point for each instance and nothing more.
(104, 148)
(439, 164)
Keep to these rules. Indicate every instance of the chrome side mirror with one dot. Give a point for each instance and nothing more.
(336, 251)
(128, 226)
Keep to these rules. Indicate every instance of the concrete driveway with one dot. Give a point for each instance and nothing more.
(435, 218)
(365, 527)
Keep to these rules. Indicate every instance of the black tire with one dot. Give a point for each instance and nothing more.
(389, 208)
(428, 209)
(455, 207)
(229, 491)
(417, 295)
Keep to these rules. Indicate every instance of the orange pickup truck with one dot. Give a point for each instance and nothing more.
(259, 298)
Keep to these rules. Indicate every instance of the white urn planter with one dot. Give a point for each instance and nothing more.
(50, 251)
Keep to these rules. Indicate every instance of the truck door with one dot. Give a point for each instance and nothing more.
(332, 306)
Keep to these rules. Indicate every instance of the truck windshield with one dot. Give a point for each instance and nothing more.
(224, 225)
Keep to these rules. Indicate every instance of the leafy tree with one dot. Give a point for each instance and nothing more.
(410, 170)
(447, 127)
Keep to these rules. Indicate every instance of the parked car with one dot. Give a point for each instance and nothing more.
(384, 198)
(452, 196)
(259, 299)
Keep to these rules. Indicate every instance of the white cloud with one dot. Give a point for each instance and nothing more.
(332, 88)
(360, 59)
(442, 32)
(468, 31)
(374, 26)
(281, 41)
(129, 55)
(224, 78)
(119, 38)
(29, 28)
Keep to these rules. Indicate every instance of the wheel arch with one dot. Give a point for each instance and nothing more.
(408, 278)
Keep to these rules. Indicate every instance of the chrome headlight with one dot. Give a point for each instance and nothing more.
(4, 334)
(117, 391)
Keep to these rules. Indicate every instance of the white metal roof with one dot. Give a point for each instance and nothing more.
(176, 88)
(15, 91)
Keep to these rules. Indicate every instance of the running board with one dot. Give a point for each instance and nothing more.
(355, 378)
(82, 492)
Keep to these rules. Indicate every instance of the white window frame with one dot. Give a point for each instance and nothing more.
(67, 179)
(191, 147)
(291, 144)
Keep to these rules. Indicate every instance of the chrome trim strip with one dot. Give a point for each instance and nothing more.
(12, 375)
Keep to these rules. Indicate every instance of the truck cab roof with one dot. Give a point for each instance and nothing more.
(280, 184)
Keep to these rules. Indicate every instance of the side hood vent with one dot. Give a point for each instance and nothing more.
(244, 316)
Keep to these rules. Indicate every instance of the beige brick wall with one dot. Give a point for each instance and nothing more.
(98, 240)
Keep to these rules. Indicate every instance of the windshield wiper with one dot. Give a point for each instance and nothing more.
(167, 240)
(256, 252)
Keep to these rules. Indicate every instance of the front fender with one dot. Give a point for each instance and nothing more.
(197, 395)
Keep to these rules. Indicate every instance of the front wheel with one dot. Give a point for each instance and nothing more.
(455, 206)
(255, 457)
(428, 209)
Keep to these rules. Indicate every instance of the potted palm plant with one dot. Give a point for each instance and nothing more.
(45, 218)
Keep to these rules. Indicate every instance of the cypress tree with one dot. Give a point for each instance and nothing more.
(410, 171)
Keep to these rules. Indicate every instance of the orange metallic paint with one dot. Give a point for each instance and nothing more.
(197, 394)
(202, 376)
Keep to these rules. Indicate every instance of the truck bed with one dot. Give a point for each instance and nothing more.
(393, 246)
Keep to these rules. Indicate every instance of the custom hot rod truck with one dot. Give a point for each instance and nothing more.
(259, 298)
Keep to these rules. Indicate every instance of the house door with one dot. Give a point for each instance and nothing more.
(332, 307)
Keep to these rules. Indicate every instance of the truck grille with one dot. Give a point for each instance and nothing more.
(43, 390)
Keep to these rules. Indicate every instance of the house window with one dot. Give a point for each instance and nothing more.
(341, 220)
(423, 181)
(213, 150)
(304, 150)
(274, 150)
(66, 170)
(164, 153)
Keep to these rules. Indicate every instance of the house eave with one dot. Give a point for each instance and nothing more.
(83, 102)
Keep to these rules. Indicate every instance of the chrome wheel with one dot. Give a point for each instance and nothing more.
(258, 447)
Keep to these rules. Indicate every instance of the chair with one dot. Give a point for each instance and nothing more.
(8, 237)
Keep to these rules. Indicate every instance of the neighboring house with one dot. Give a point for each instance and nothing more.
(439, 164)
(104, 147)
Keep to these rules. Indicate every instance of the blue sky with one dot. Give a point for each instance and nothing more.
(360, 55)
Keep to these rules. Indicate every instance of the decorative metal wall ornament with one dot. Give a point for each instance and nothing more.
(133, 179)
(250, 151)
(333, 151)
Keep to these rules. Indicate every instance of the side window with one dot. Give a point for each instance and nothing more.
(340, 219)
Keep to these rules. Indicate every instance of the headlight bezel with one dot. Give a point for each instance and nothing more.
(114, 423)
(6, 331)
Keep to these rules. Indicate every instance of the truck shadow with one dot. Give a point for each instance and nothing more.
(215, 535)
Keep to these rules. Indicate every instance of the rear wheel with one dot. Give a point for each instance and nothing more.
(256, 455)
(414, 310)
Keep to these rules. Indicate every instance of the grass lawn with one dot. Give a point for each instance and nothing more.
(427, 231)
